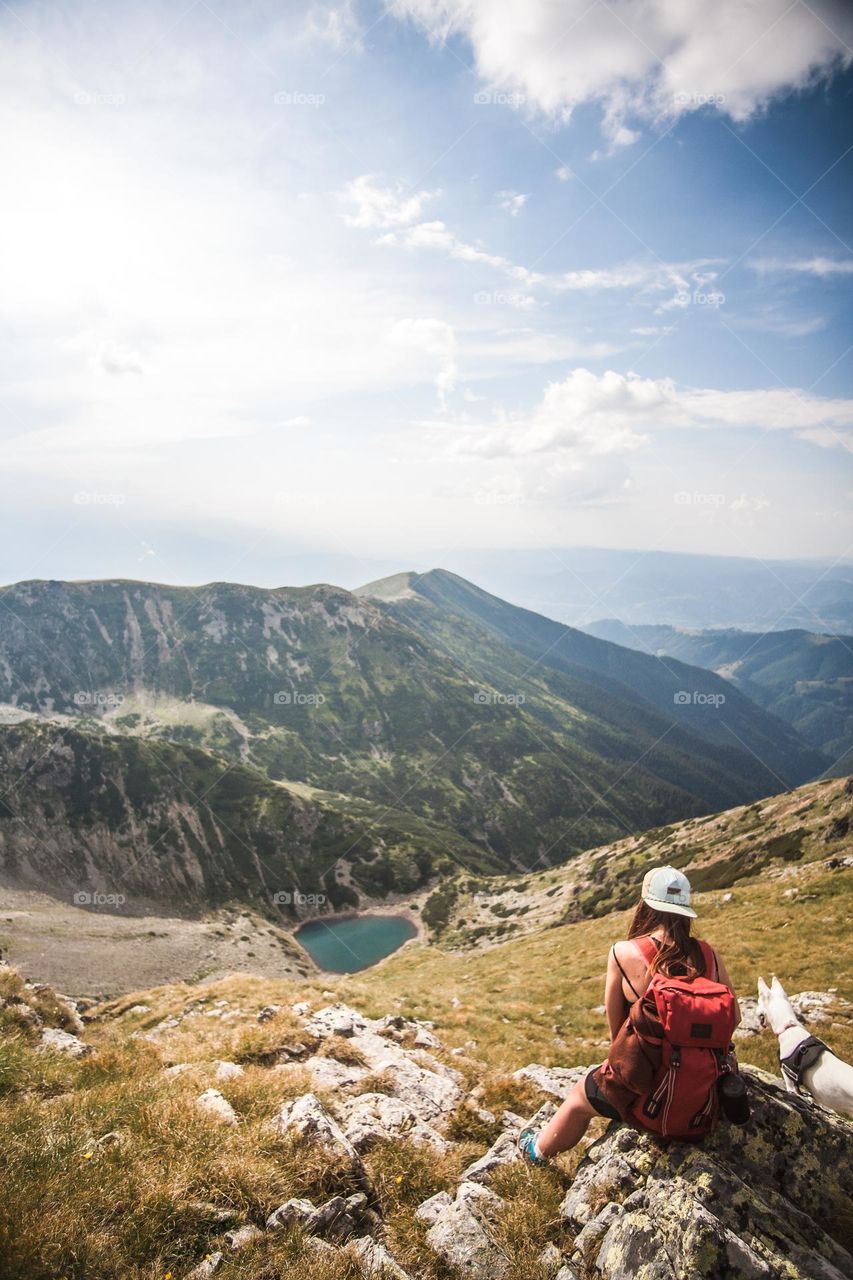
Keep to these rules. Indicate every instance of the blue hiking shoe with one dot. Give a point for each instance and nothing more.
(527, 1147)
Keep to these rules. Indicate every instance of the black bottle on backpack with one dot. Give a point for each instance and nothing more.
(734, 1098)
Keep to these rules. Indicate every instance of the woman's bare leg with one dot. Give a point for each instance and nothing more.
(565, 1129)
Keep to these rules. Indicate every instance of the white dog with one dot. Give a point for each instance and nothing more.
(803, 1059)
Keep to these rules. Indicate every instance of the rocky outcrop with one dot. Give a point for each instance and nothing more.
(425, 1085)
(462, 1233)
(768, 1201)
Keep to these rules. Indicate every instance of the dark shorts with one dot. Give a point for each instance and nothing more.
(597, 1099)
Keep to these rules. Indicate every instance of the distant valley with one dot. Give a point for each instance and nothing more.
(804, 678)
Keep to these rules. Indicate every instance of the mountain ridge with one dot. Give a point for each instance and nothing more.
(325, 687)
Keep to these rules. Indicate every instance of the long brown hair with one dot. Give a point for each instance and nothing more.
(678, 949)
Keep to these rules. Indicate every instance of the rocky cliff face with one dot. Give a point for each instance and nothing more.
(180, 828)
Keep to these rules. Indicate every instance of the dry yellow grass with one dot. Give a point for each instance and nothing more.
(150, 1201)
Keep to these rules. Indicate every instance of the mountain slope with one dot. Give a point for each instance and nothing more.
(256, 1093)
(804, 678)
(688, 697)
(322, 687)
(179, 828)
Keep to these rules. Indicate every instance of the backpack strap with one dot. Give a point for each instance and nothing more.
(709, 955)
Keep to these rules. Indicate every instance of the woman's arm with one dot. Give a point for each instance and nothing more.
(723, 975)
(615, 1004)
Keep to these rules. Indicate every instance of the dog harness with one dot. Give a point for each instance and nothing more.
(806, 1054)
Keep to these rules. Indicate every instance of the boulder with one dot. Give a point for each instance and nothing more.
(240, 1237)
(228, 1070)
(554, 1080)
(55, 1041)
(375, 1117)
(376, 1262)
(335, 1221)
(461, 1234)
(430, 1209)
(217, 1107)
(307, 1120)
(767, 1200)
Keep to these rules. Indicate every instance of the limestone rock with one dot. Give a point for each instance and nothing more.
(425, 1085)
(504, 1150)
(228, 1070)
(219, 1108)
(308, 1120)
(430, 1209)
(374, 1117)
(336, 1220)
(240, 1237)
(554, 1080)
(55, 1041)
(759, 1202)
(376, 1262)
(461, 1234)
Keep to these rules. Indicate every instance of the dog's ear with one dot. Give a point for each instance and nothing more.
(777, 988)
(763, 991)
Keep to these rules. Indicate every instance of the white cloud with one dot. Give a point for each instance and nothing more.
(378, 206)
(437, 235)
(564, 173)
(658, 59)
(589, 414)
(333, 24)
(512, 202)
(818, 266)
(651, 277)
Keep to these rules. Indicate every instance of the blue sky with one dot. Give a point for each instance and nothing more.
(383, 280)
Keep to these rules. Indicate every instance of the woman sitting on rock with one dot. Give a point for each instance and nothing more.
(648, 1079)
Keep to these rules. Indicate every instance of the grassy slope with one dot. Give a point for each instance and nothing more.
(146, 1205)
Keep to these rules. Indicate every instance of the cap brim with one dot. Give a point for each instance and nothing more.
(673, 908)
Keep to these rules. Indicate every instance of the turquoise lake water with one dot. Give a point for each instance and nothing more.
(345, 946)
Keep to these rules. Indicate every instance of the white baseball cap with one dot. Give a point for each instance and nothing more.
(666, 889)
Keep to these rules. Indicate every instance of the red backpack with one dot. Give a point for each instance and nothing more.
(697, 1017)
